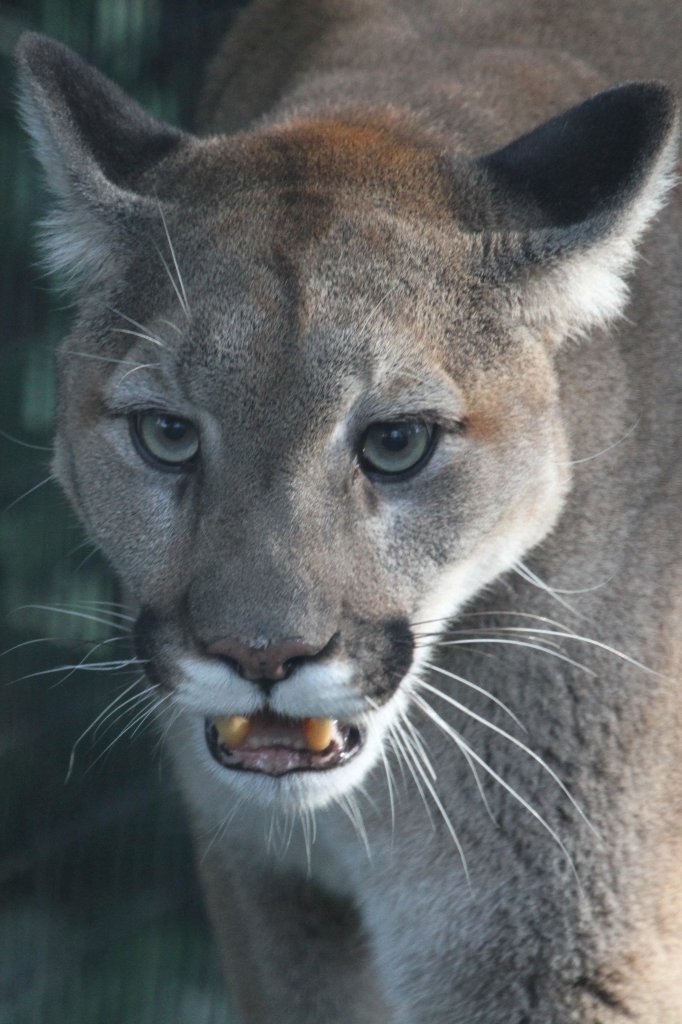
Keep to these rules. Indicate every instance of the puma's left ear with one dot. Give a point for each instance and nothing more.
(572, 199)
(100, 152)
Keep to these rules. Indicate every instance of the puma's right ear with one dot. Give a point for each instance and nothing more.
(571, 200)
(98, 149)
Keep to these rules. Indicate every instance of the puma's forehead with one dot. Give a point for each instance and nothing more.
(372, 157)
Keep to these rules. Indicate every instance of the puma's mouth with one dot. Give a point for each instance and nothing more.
(275, 745)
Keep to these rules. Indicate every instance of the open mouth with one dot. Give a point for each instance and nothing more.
(275, 745)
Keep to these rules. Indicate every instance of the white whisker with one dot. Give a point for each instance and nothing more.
(143, 331)
(400, 746)
(530, 577)
(169, 323)
(603, 451)
(477, 688)
(142, 366)
(109, 708)
(139, 334)
(515, 643)
(27, 493)
(178, 287)
(585, 640)
(349, 805)
(422, 684)
(25, 444)
(100, 359)
(156, 703)
(462, 745)
(441, 809)
(70, 611)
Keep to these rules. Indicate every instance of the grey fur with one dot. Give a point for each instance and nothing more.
(362, 239)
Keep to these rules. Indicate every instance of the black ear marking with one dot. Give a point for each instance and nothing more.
(590, 159)
(83, 123)
(103, 158)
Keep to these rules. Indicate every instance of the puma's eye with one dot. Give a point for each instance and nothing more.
(395, 449)
(164, 439)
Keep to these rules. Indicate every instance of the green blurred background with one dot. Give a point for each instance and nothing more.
(100, 915)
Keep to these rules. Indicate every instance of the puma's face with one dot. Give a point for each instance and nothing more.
(309, 406)
(338, 443)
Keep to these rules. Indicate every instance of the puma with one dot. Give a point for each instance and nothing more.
(372, 400)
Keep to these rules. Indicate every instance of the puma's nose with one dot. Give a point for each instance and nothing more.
(270, 663)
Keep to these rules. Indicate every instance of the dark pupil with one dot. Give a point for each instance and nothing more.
(395, 439)
(171, 428)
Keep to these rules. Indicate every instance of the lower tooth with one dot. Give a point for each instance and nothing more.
(318, 733)
(232, 730)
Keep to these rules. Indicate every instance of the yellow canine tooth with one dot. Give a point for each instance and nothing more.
(318, 733)
(232, 730)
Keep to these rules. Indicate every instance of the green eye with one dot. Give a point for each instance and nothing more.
(165, 439)
(394, 449)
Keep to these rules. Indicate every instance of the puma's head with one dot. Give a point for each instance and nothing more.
(309, 399)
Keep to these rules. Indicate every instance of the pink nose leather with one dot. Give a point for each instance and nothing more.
(272, 662)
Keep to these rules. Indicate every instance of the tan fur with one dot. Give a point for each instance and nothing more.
(366, 235)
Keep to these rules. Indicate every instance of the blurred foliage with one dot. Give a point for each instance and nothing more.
(100, 913)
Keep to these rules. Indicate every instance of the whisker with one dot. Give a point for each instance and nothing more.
(108, 607)
(349, 806)
(390, 781)
(93, 724)
(422, 684)
(530, 577)
(220, 830)
(144, 717)
(142, 366)
(479, 785)
(143, 331)
(69, 611)
(156, 703)
(91, 554)
(24, 444)
(27, 493)
(100, 359)
(179, 291)
(375, 309)
(589, 641)
(462, 744)
(116, 713)
(81, 665)
(418, 747)
(603, 451)
(402, 750)
(170, 324)
(443, 813)
(516, 643)
(139, 334)
(36, 640)
(477, 688)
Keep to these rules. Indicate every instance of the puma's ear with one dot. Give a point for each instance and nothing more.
(98, 150)
(572, 198)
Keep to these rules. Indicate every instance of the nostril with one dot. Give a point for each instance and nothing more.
(231, 663)
(271, 662)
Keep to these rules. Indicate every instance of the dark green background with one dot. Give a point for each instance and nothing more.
(100, 914)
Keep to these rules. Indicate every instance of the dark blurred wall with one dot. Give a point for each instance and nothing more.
(100, 916)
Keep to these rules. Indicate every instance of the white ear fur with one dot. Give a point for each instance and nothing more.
(92, 141)
(571, 200)
(73, 239)
(588, 288)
